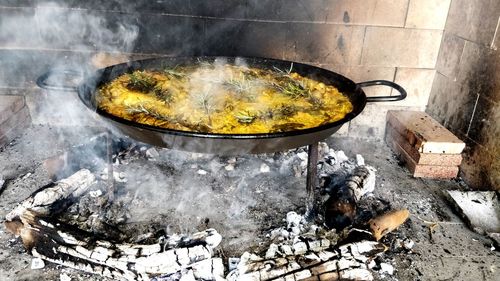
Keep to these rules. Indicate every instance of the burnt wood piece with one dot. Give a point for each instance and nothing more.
(348, 262)
(63, 244)
(48, 238)
(58, 242)
(49, 200)
(341, 206)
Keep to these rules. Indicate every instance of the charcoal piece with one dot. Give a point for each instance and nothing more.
(340, 208)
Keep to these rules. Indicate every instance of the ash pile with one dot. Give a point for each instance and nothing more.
(80, 222)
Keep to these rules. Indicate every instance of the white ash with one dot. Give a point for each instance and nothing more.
(360, 160)
(64, 277)
(37, 263)
(408, 244)
(232, 263)
(2, 182)
(152, 154)
(386, 268)
(95, 193)
(26, 176)
(264, 168)
(117, 176)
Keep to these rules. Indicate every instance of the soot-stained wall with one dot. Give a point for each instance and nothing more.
(466, 91)
(396, 40)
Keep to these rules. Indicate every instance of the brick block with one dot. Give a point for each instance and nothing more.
(366, 73)
(473, 20)
(424, 133)
(428, 14)
(14, 126)
(436, 159)
(370, 123)
(9, 105)
(449, 56)
(367, 12)
(418, 84)
(422, 171)
(400, 47)
(325, 43)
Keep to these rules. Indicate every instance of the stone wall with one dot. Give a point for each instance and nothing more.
(466, 91)
(396, 40)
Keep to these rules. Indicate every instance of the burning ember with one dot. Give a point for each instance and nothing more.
(75, 221)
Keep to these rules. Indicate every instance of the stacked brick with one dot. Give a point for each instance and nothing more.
(427, 148)
(14, 117)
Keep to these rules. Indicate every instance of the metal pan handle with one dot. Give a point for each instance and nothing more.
(67, 80)
(401, 96)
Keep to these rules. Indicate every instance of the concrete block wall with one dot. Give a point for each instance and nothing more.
(396, 40)
(465, 95)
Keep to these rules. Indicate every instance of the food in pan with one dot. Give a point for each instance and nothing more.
(223, 98)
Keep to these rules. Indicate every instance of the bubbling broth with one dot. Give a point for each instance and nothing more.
(223, 99)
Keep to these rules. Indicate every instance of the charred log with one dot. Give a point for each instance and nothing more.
(347, 262)
(341, 206)
(53, 198)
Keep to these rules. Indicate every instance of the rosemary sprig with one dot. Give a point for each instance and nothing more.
(204, 101)
(143, 82)
(245, 117)
(292, 88)
(237, 85)
(140, 81)
(284, 72)
(241, 87)
(162, 93)
(174, 72)
(141, 108)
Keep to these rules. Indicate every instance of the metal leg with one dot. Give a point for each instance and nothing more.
(111, 178)
(312, 181)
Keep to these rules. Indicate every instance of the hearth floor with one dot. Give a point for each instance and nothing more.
(445, 248)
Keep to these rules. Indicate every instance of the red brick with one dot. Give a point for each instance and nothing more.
(9, 105)
(424, 133)
(436, 159)
(423, 171)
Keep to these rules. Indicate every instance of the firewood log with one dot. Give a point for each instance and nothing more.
(387, 222)
(340, 208)
(48, 199)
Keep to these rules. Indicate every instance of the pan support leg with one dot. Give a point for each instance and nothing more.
(312, 182)
(109, 155)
